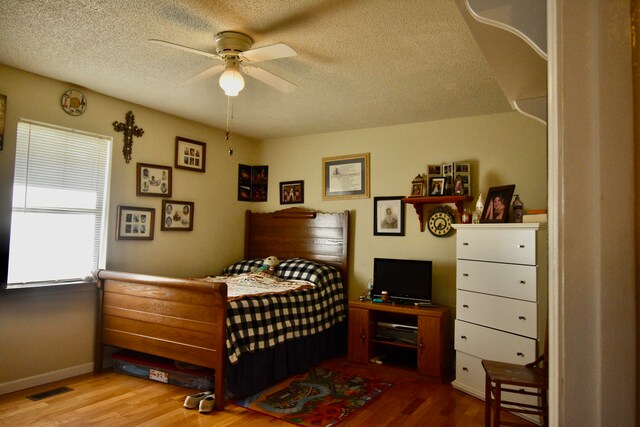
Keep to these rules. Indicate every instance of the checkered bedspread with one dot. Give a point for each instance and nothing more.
(260, 322)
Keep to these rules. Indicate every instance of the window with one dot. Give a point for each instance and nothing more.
(58, 219)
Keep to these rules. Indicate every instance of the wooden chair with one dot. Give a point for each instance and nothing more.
(508, 377)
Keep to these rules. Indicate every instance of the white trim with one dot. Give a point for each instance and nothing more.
(554, 193)
(46, 378)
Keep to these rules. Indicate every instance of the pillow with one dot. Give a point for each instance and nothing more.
(244, 266)
(291, 269)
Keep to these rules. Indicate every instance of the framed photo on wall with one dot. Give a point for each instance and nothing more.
(153, 180)
(190, 154)
(345, 177)
(177, 216)
(388, 216)
(135, 223)
(259, 183)
(291, 192)
(496, 207)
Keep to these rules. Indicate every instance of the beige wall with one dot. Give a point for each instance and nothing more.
(502, 149)
(51, 330)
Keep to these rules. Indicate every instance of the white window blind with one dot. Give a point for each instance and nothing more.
(60, 193)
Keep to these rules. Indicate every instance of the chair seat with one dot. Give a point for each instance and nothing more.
(513, 374)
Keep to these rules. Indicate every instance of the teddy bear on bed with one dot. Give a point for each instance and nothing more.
(269, 265)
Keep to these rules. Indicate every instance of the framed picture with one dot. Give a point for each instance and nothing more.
(259, 183)
(388, 216)
(448, 170)
(190, 154)
(244, 183)
(153, 180)
(462, 179)
(134, 223)
(177, 216)
(496, 207)
(436, 186)
(434, 170)
(345, 177)
(417, 189)
(291, 192)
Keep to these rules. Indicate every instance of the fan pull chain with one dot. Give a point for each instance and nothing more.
(227, 135)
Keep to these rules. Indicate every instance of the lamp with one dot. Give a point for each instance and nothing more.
(231, 80)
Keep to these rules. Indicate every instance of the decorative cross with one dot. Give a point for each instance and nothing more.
(130, 130)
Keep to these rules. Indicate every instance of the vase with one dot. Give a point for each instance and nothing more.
(518, 209)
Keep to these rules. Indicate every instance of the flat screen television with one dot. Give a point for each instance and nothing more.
(406, 281)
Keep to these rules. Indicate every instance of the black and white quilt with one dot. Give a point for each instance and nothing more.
(259, 322)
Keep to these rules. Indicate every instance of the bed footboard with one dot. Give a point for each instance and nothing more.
(180, 319)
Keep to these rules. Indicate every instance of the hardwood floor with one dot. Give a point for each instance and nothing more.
(112, 399)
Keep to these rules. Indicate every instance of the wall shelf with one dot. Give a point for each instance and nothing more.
(419, 202)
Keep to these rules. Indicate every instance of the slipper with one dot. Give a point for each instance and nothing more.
(206, 404)
(194, 400)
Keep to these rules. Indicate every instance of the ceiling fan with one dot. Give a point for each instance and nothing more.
(235, 50)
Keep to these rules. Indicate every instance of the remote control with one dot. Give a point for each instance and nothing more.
(425, 304)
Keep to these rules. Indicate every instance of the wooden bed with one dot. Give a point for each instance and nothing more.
(185, 319)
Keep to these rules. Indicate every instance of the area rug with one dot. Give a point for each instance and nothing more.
(320, 397)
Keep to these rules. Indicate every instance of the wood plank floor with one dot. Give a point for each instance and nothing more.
(112, 399)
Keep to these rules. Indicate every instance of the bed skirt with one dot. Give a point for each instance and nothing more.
(256, 371)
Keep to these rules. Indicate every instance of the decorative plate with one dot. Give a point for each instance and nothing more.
(73, 102)
(440, 221)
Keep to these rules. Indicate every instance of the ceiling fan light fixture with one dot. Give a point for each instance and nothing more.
(231, 81)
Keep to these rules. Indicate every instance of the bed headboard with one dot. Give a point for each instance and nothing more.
(297, 232)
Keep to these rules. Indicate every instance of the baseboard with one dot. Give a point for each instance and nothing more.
(49, 377)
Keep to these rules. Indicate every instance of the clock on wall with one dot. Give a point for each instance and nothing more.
(440, 221)
(73, 102)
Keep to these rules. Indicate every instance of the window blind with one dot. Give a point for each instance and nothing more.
(60, 194)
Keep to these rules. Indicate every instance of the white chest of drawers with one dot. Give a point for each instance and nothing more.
(501, 292)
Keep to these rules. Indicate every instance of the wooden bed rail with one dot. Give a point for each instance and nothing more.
(180, 319)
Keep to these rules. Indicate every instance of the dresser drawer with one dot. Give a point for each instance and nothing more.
(469, 372)
(470, 375)
(515, 246)
(507, 280)
(519, 317)
(487, 343)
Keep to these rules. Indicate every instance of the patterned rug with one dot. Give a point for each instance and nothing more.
(320, 397)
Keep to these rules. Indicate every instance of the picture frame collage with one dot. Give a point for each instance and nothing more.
(253, 183)
(154, 180)
(449, 179)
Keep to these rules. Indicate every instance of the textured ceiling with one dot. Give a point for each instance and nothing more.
(360, 63)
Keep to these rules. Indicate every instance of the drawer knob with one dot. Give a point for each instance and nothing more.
(464, 368)
(363, 337)
(465, 274)
(520, 354)
(465, 244)
(463, 337)
(522, 318)
(521, 246)
(465, 306)
(523, 282)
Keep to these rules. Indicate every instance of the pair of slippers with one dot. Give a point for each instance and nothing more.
(204, 401)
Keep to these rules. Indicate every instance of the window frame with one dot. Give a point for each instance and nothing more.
(100, 236)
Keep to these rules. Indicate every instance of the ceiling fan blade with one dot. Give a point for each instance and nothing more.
(206, 74)
(186, 48)
(266, 53)
(270, 79)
